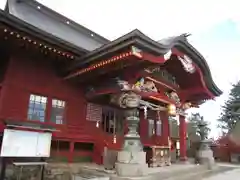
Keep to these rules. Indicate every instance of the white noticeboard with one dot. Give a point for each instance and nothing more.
(18, 143)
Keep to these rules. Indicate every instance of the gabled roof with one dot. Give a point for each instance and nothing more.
(161, 47)
(38, 15)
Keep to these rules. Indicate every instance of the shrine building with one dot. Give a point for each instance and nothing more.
(56, 73)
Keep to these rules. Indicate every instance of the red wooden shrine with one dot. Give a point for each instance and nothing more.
(62, 75)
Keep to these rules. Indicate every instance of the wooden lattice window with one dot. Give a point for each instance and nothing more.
(112, 120)
(94, 112)
(37, 107)
(57, 111)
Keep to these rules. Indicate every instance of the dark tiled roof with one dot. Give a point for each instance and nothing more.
(50, 21)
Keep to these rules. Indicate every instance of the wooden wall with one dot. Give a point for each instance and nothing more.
(27, 75)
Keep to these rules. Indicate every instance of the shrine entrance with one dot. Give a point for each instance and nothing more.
(136, 103)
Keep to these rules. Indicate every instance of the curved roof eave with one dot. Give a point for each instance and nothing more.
(161, 47)
(197, 58)
(181, 43)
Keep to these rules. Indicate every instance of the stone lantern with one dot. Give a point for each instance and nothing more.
(205, 153)
(131, 160)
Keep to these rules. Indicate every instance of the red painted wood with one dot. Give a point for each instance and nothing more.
(152, 58)
(70, 159)
(183, 141)
(165, 128)
(27, 75)
(39, 79)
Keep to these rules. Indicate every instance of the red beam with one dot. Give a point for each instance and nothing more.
(177, 52)
(152, 58)
(190, 91)
(204, 84)
(103, 92)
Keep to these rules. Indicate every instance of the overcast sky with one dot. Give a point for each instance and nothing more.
(214, 25)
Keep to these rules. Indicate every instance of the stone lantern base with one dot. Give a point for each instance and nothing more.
(131, 164)
(205, 155)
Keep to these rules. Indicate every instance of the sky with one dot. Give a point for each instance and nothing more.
(214, 25)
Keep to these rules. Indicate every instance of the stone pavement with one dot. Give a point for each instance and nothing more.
(90, 171)
(233, 174)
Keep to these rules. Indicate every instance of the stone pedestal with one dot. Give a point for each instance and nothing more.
(205, 155)
(131, 164)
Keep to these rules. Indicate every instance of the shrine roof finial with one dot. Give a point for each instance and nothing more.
(186, 34)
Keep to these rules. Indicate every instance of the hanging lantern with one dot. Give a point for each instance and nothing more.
(177, 145)
(114, 139)
(161, 153)
(169, 142)
(153, 131)
(172, 110)
(97, 124)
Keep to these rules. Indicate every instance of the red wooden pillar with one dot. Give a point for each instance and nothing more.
(71, 151)
(183, 142)
(165, 126)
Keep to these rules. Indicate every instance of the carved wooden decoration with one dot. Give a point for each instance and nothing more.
(187, 64)
(158, 73)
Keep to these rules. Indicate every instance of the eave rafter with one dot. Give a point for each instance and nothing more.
(141, 55)
(8, 33)
(100, 64)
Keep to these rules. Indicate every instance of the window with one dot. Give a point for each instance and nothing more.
(112, 120)
(37, 108)
(57, 112)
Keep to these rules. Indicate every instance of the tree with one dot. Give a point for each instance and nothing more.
(193, 128)
(230, 110)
